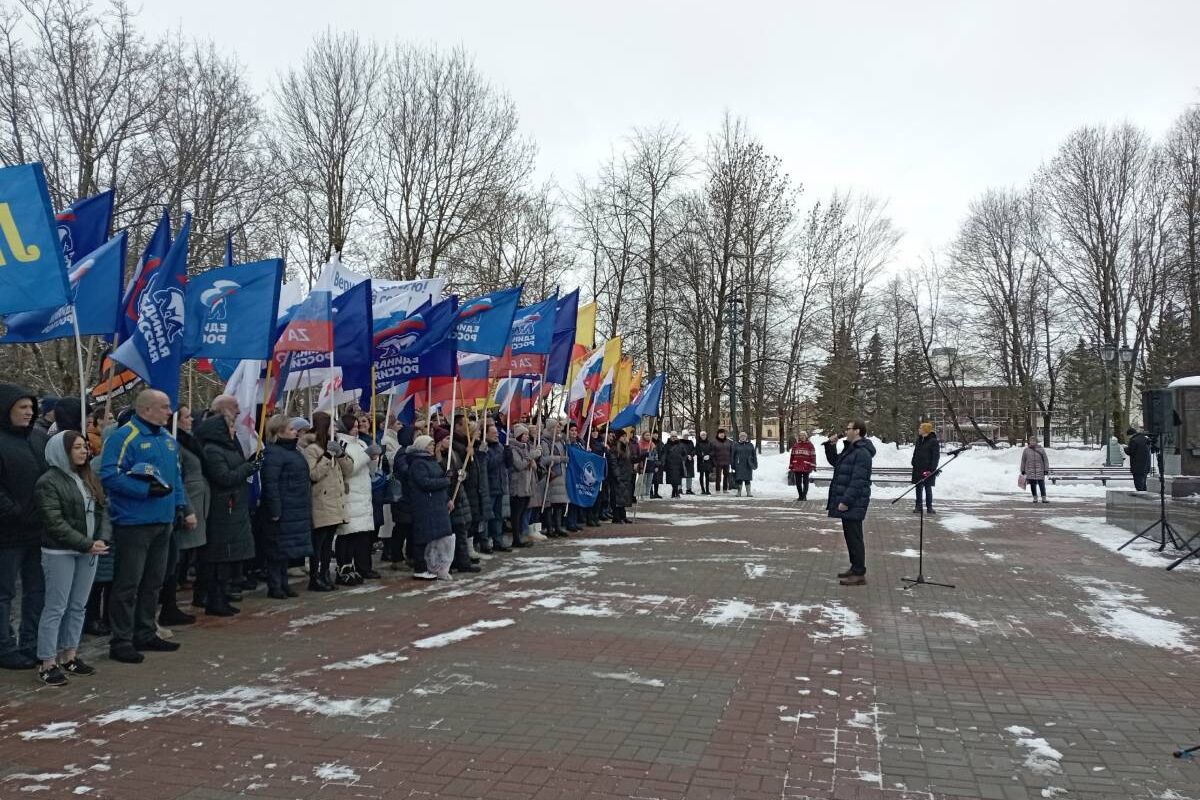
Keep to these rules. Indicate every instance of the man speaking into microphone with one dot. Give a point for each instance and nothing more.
(850, 494)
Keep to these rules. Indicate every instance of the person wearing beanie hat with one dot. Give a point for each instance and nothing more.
(927, 453)
(689, 460)
(522, 475)
(1139, 451)
(299, 425)
(285, 505)
(674, 464)
(428, 489)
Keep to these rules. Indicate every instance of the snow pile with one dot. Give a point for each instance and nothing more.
(964, 523)
(335, 772)
(1121, 612)
(1142, 552)
(51, 730)
(1041, 758)
(977, 474)
(461, 634)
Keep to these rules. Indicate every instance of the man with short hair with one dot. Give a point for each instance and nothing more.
(1140, 452)
(850, 494)
(140, 472)
(22, 462)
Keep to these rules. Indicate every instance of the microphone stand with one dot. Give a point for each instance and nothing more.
(920, 579)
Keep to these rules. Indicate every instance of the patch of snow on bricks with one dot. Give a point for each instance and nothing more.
(583, 610)
(335, 772)
(722, 541)
(1126, 615)
(615, 541)
(843, 622)
(1143, 552)
(51, 730)
(1042, 759)
(755, 570)
(317, 619)
(964, 523)
(957, 616)
(368, 660)
(727, 612)
(461, 634)
(630, 677)
(1053, 791)
(242, 699)
(909, 553)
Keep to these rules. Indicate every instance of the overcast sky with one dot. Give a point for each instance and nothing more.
(922, 103)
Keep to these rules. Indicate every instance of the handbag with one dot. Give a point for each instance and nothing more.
(1021, 482)
(791, 478)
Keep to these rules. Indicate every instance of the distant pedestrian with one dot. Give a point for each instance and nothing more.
(850, 495)
(704, 462)
(927, 453)
(722, 459)
(1035, 466)
(801, 463)
(745, 461)
(1139, 451)
(689, 460)
(674, 463)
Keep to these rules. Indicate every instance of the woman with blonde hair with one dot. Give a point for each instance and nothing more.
(927, 452)
(328, 469)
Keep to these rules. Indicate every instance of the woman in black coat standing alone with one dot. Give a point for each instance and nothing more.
(927, 452)
(621, 477)
(285, 506)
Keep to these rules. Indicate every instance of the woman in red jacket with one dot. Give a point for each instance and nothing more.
(802, 463)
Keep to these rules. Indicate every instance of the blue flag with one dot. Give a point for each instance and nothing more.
(96, 277)
(33, 274)
(558, 363)
(403, 339)
(533, 327)
(154, 349)
(152, 258)
(83, 226)
(231, 311)
(585, 476)
(646, 404)
(351, 313)
(484, 322)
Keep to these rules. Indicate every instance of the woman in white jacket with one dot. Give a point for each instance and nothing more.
(353, 544)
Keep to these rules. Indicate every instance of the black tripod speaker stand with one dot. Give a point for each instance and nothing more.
(1166, 532)
(920, 579)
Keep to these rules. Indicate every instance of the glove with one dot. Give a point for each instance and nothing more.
(158, 489)
(335, 449)
(926, 474)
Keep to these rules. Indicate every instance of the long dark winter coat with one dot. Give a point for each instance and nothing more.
(286, 501)
(722, 453)
(1138, 451)
(745, 461)
(704, 450)
(22, 461)
(674, 462)
(198, 494)
(851, 482)
(427, 490)
(461, 517)
(689, 457)
(927, 453)
(229, 534)
(620, 475)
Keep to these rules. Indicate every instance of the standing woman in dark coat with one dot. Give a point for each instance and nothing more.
(745, 461)
(674, 464)
(927, 452)
(704, 462)
(1139, 451)
(722, 459)
(191, 542)
(620, 471)
(285, 505)
(230, 538)
(427, 488)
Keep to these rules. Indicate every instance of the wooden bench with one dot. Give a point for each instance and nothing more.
(903, 475)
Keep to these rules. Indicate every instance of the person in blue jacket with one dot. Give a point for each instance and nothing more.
(850, 494)
(141, 474)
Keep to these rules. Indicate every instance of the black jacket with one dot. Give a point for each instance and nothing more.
(428, 490)
(851, 482)
(22, 462)
(674, 462)
(1138, 451)
(927, 452)
(285, 505)
(230, 537)
(620, 476)
(704, 447)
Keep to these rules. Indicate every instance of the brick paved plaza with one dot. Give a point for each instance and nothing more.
(706, 652)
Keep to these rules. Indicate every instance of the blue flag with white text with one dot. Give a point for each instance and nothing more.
(231, 311)
(154, 349)
(585, 476)
(403, 340)
(151, 260)
(484, 322)
(97, 277)
(83, 226)
(33, 273)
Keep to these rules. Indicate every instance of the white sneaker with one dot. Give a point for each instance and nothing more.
(165, 633)
(425, 576)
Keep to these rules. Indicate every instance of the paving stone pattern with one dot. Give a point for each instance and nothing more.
(705, 652)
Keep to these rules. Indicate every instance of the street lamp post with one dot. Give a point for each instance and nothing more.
(1111, 354)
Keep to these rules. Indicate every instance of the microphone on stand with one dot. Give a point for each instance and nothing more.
(965, 447)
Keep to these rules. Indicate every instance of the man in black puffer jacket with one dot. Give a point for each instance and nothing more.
(850, 494)
(22, 462)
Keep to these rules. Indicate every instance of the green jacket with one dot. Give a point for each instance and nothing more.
(64, 519)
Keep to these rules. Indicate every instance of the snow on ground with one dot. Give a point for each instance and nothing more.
(1122, 612)
(368, 660)
(51, 730)
(1142, 552)
(964, 523)
(1041, 758)
(630, 677)
(686, 520)
(461, 634)
(978, 474)
(238, 701)
(909, 553)
(334, 772)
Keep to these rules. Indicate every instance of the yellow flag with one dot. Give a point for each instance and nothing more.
(612, 354)
(621, 385)
(585, 329)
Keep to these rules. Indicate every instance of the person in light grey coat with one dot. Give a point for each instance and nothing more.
(745, 461)
(554, 462)
(521, 480)
(1034, 466)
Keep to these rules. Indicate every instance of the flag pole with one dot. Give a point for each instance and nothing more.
(262, 414)
(374, 416)
(112, 366)
(453, 400)
(508, 416)
(429, 406)
(79, 363)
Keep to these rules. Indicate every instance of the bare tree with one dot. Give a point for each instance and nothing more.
(1183, 159)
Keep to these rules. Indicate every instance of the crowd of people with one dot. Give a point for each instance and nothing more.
(105, 522)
